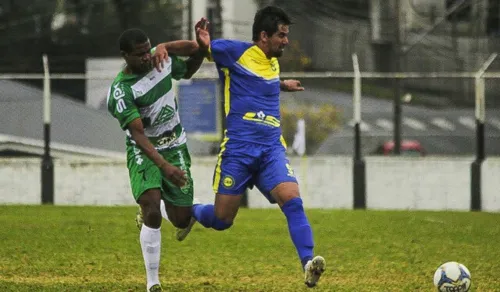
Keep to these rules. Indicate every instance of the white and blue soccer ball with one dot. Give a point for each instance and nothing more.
(452, 277)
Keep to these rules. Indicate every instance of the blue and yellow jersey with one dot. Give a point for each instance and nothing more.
(251, 91)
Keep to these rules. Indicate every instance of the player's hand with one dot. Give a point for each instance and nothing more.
(174, 174)
(159, 56)
(292, 85)
(202, 34)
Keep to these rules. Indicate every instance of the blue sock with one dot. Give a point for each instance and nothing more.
(205, 215)
(299, 229)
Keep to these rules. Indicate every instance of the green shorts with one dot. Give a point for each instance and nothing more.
(145, 175)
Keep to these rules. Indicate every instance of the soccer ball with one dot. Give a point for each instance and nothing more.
(452, 277)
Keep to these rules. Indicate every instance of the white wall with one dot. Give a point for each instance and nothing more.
(490, 185)
(326, 182)
(237, 17)
(85, 182)
(96, 89)
(430, 183)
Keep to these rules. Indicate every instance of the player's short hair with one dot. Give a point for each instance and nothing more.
(267, 19)
(131, 37)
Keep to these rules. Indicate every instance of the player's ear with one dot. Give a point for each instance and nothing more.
(124, 54)
(263, 36)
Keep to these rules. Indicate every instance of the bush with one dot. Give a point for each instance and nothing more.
(295, 59)
(320, 121)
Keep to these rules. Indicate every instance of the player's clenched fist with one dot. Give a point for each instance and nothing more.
(174, 174)
(202, 33)
(159, 56)
(291, 85)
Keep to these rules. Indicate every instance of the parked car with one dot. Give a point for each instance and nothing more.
(408, 148)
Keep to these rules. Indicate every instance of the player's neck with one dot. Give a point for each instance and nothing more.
(127, 70)
(263, 49)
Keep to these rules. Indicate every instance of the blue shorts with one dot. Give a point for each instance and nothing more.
(242, 165)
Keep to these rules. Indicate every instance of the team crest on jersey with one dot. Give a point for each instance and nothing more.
(165, 114)
(228, 181)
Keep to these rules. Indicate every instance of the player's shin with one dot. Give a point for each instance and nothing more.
(150, 244)
(299, 228)
(205, 215)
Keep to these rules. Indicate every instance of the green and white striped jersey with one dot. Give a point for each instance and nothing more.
(151, 98)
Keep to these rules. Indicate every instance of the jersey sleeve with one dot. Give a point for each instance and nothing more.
(225, 52)
(121, 104)
(179, 67)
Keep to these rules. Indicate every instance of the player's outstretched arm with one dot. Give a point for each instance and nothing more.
(203, 42)
(179, 48)
(183, 48)
(171, 173)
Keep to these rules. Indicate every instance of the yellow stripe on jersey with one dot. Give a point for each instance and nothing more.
(217, 173)
(227, 93)
(261, 118)
(209, 56)
(283, 142)
(255, 61)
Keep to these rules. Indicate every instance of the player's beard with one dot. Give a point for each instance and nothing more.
(279, 51)
(145, 67)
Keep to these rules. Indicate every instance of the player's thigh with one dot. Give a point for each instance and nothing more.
(232, 175)
(144, 175)
(177, 198)
(276, 178)
(233, 172)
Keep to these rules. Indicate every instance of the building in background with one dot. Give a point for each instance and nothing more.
(328, 32)
(229, 19)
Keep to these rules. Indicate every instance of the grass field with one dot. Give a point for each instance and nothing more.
(49, 248)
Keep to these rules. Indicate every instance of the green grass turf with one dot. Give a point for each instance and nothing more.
(55, 248)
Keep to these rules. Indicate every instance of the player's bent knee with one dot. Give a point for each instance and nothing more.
(221, 225)
(285, 192)
(293, 205)
(152, 218)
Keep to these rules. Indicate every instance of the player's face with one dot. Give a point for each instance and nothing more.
(278, 41)
(139, 59)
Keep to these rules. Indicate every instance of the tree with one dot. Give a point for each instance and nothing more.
(129, 12)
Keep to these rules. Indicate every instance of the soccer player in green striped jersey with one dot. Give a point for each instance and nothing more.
(141, 98)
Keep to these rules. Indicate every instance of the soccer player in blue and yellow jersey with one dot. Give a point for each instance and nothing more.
(253, 150)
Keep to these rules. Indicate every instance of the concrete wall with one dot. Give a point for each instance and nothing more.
(433, 184)
(326, 182)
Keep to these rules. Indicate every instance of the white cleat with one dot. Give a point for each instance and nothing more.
(313, 270)
(181, 234)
